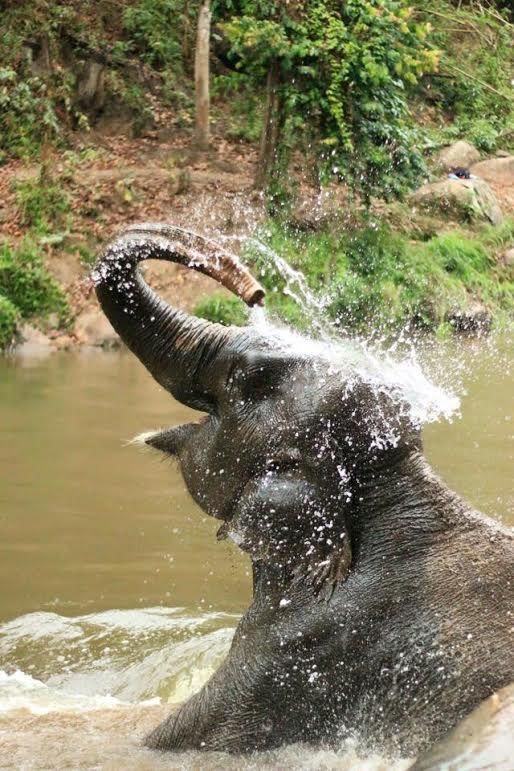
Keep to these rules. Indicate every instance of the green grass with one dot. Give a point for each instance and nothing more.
(9, 321)
(223, 310)
(374, 277)
(42, 204)
(27, 289)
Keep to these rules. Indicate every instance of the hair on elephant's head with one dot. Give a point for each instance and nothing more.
(290, 434)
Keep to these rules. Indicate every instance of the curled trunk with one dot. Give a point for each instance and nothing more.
(181, 352)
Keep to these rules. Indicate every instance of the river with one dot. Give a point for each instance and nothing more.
(115, 597)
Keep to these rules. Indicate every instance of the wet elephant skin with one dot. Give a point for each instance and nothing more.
(383, 605)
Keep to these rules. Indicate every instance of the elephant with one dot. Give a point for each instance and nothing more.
(382, 608)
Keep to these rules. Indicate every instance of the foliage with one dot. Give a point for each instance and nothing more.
(222, 309)
(236, 92)
(374, 277)
(473, 85)
(42, 203)
(161, 31)
(9, 321)
(28, 285)
(28, 114)
(349, 67)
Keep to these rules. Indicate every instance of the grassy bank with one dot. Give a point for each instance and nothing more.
(373, 276)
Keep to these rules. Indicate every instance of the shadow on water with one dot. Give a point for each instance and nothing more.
(114, 589)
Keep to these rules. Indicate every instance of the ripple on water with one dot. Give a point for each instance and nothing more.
(131, 655)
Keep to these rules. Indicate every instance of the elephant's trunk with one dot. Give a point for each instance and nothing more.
(178, 350)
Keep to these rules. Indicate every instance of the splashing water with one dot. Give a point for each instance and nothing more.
(393, 368)
(297, 288)
(88, 694)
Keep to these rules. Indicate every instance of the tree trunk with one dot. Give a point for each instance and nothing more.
(202, 76)
(91, 86)
(271, 129)
(41, 61)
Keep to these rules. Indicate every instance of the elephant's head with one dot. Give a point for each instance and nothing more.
(289, 435)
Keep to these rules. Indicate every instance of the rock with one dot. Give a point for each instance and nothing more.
(507, 257)
(32, 336)
(63, 342)
(496, 170)
(33, 343)
(52, 321)
(459, 154)
(463, 199)
(484, 739)
(474, 320)
(92, 328)
(314, 211)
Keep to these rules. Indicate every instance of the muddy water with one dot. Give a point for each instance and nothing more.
(114, 595)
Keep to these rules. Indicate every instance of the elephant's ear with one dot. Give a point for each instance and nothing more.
(327, 566)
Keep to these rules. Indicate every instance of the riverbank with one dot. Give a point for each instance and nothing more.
(434, 266)
(97, 131)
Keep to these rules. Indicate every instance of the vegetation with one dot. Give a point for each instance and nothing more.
(42, 204)
(374, 277)
(349, 67)
(9, 321)
(472, 89)
(27, 285)
(223, 310)
(356, 93)
(356, 68)
(27, 289)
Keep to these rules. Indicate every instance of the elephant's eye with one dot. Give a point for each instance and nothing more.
(261, 384)
(259, 378)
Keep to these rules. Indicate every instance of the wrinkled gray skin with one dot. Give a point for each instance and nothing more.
(382, 604)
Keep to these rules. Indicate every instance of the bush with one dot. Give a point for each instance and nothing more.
(41, 202)
(157, 30)
(27, 114)
(372, 276)
(223, 310)
(473, 84)
(349, 67)
(27, 284)
(9, 321)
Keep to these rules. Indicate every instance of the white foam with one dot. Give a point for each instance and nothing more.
(21, 691)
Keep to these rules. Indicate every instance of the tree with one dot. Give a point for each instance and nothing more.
(202, 53)
(338, 75)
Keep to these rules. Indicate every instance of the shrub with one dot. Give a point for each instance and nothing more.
(27, 284)
(222, 309)
(27, 114)
(349, 67)
(371, 276)
(158, 30)
(41, 202)
(473, 85)
(9, 320)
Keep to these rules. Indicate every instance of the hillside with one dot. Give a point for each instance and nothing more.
(97, 131)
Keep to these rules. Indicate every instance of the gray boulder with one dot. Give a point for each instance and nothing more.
(458, 154)
(33, 344)
(462, 199)
(496, 170)
(473, 320)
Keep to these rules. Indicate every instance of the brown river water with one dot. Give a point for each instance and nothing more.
(115, 597)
